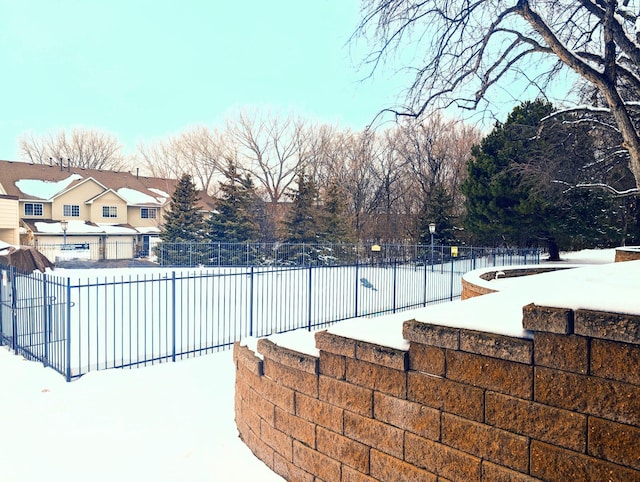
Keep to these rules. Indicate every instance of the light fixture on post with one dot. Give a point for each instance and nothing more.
(432, 231)
(64, 225)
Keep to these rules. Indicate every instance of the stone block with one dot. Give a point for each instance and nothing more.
(375, 434)
(344, 450)
(427, 359)
(542, 422)
(387, 468)
(564, 352)
(491, 373)
(446, 395)
(433, 335)
(544, 318)
(608, 326)
(497, 346)
(347, 396)
(319, 412)
(377, 377)
(612, 360)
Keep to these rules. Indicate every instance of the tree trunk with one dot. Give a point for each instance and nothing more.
(554, 253)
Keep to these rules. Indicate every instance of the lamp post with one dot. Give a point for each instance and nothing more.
(64, 224)
(432, 231)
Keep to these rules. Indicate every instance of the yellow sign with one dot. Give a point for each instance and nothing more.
(454, 251)
(375, 248)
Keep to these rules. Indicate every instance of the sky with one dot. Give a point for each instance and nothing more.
(144, 70)
(175, 421)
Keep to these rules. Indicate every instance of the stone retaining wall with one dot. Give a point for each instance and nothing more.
(459, 405)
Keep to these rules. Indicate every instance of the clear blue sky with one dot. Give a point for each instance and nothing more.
(146, 69)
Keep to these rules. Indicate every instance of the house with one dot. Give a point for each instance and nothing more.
(69, 212)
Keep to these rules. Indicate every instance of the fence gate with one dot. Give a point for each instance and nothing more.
(31, 315)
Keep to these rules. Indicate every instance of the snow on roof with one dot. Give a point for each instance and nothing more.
(133, 196)
(148, 229)
(45, 189)
(163, 195)
(80, 227)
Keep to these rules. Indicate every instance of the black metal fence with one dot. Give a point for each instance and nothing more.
(76, 321)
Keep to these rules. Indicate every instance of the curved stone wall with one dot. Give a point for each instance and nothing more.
(630, 253)
(562, 403)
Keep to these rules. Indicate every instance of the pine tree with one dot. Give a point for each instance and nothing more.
(234, 220)
(183, 229)
(183, 222)
(336, 227)
(437, 209)
(303, 222)
(512, 196)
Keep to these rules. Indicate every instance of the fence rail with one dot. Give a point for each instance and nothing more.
(76, 321)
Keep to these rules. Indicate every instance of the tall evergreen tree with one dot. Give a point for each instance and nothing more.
(183, 229)
(512, 196)
(437, 209)
(336, 227)
(183, 222)
(303, 222)
(234, 220)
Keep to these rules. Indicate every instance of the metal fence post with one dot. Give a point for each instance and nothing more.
(355, 313)
(14, 308)
(173, 316)
(46, 312)
(451, 289)
(251, 302)
(68, 310)
(310, 298)
(395, 283)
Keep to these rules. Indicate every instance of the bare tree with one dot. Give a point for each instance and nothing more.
(271, 148)
(471, 46)
(199, 151)
(83, 148)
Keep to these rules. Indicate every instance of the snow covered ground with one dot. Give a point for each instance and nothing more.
(174, 421)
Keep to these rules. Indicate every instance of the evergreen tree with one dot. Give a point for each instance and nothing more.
(336, 227)
(512, 196)
(303, 222)
(234, 220)
(437, 209)
(501, 207)
(183, 226)
(183, 222)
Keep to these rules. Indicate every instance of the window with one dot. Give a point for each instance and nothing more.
(109, 211)
(33, 209)
(71, 210)
(148, 213)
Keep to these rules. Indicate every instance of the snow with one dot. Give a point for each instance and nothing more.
(175, 421)
(80, 227)
(163, 196)
(133, 196)
(45, 189)
(162, 423)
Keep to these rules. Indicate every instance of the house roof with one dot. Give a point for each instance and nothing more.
(42, 182)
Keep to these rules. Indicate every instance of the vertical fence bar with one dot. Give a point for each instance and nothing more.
(68, 320)
(310, 298)
(355, 313)
(395, 285)
(46, 311)
(173, 316)
(14, 308)
(451, 288)
(251, 280)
